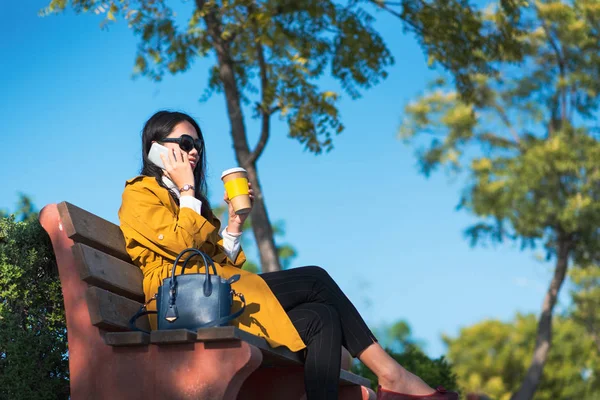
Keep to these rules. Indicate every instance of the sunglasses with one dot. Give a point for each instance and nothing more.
(186, 143)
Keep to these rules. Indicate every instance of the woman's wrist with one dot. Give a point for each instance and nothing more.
(234, 227)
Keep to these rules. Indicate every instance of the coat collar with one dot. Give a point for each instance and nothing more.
(150, 183)
(171, 185)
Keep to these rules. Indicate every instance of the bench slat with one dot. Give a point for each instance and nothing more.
(218, 333)
(275, 356)
(84, 227)
(126, 339)
(172, 336)
(112, 312)
(271, 356)
(347, 378)
(107, 272)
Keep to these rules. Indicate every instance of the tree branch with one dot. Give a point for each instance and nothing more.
(264, 105)
(561, 68)
(553, 117)
(506, 121)
(264, 137)
(385, 6)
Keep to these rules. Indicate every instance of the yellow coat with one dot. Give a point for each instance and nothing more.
(156, 230)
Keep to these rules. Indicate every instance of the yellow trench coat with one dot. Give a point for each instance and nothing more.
(156, 230)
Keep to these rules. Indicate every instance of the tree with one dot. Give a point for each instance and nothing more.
(25, 210)
(397, 337)
(586, 300)
(454, 34)
(528, 136)
(33, 339)
(491, 357)
(269, 54)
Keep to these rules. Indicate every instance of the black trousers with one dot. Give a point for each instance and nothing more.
(325, 319)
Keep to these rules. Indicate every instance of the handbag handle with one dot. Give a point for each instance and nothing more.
(140, 313)
(195, 252)
(207, 286)
(230, 317)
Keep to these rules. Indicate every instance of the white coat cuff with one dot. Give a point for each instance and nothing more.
(191, 202)
(231, 244)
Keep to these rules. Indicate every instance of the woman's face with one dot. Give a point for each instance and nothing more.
(184, 128)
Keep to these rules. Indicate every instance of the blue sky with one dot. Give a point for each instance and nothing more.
(71, 121)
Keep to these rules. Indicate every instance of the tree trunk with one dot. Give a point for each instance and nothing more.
(263, 232)
(261, 226)
(543, 340)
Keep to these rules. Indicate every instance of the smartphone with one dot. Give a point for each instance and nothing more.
(154, 155)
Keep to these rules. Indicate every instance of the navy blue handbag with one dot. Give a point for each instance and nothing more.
(193, 301)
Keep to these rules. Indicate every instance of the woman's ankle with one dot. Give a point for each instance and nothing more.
(402, 381)
(392, 377)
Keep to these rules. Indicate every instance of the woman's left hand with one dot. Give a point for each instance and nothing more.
(236, 221)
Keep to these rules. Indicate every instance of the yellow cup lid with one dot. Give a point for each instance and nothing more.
(231, 171)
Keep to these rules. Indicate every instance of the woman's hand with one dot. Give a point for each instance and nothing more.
(179, 169)
(236, 222)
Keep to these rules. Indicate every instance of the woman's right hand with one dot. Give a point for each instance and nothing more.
(178, 168)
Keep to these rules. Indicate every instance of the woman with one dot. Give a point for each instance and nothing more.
(165, 211)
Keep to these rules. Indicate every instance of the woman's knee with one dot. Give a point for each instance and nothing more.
(346, 361)
(317, 272)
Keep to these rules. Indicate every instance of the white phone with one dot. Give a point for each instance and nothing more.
(154, 154)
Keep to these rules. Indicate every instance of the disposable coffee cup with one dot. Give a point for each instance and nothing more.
(236, 185)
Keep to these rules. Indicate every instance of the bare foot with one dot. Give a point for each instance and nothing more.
(406, 383)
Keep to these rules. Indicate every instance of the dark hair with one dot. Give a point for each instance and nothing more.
(158, 127)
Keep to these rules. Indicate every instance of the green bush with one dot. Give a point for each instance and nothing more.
(436, 372)
(33, 337)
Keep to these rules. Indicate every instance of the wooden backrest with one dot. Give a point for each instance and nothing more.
(115, 284)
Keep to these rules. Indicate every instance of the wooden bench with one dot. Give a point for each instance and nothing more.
(102, 289)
